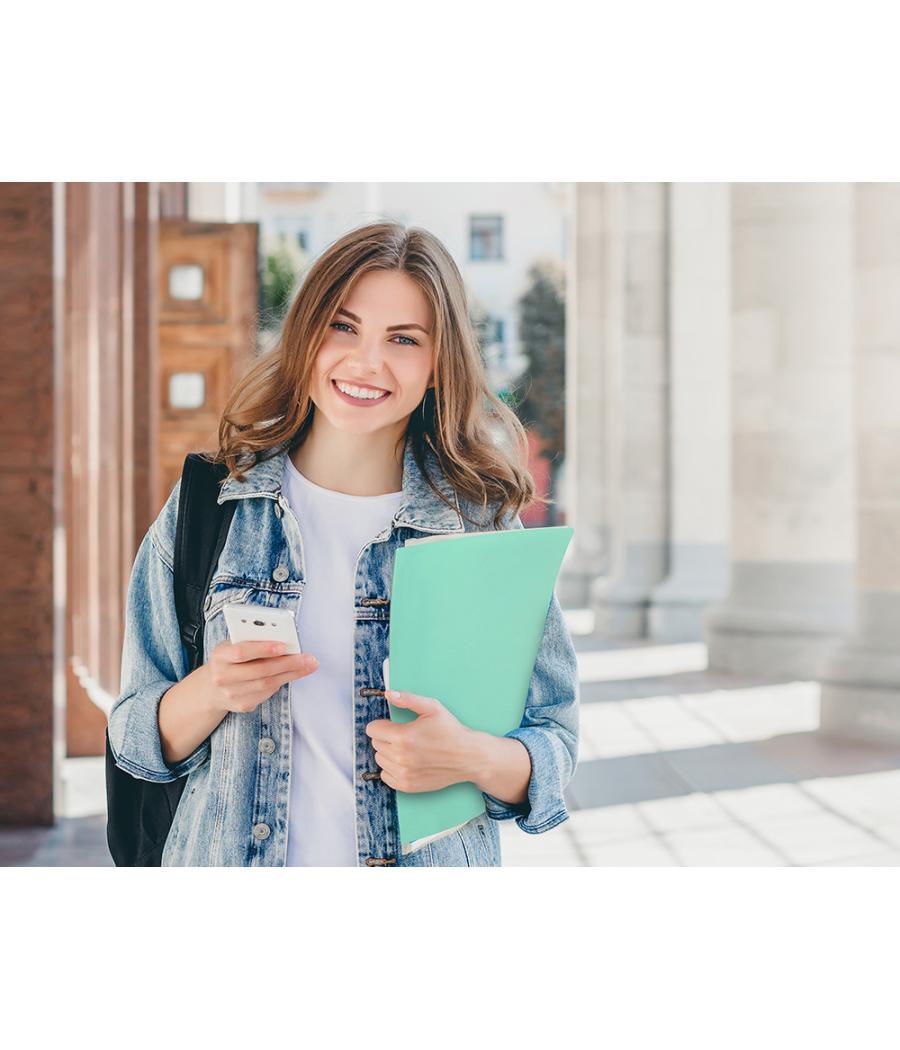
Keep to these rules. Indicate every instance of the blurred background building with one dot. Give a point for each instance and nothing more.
(708, 375)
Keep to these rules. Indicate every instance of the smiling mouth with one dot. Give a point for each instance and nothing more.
(362, 401)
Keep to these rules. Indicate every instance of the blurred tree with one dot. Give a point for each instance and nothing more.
(283, 264)
(278, 283)
(541, 406)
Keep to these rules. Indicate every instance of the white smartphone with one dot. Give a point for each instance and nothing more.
(256, 623)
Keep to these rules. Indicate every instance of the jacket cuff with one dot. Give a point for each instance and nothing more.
(144, 758)
(546, 806)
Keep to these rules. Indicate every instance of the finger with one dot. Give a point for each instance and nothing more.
(384, 729)
(383, 760)
(258, 689)
(383, 748)
(240, 652)
(296, 665)
(422, 705)
(387, 778)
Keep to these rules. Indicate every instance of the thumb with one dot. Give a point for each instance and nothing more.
(422, 705)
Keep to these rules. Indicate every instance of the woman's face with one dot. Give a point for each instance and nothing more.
(380, 342)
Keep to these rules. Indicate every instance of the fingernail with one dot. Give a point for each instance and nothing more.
(310, 660)
(279, 648)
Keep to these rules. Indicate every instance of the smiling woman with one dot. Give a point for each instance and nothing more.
(383, 307)
(370, 423)
(367, 379)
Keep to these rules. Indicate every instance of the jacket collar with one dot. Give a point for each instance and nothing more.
(420, 508)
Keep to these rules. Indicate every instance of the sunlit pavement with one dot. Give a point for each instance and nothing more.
(677, 766)
(682, 766)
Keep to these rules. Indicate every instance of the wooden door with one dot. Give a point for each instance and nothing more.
(207, 333)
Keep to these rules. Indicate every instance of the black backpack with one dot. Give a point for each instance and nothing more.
(139, 812)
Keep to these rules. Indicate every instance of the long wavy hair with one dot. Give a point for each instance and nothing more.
(480, 445)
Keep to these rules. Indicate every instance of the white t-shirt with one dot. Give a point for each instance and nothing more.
(335, 527)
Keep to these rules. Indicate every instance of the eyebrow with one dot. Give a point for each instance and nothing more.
(390, 328)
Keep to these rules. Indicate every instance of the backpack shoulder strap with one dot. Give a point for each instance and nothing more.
(200, 533)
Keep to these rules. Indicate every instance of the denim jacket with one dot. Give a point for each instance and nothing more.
(234, 807)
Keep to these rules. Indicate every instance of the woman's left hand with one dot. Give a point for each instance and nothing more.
(429, 752)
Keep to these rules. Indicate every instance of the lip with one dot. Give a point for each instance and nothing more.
(362, 386)
(354, 401)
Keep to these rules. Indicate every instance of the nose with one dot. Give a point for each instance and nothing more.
(367, 358)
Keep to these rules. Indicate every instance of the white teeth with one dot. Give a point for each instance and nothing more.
(355, 391)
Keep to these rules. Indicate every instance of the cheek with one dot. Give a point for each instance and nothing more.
(415, 373)
(326, 359)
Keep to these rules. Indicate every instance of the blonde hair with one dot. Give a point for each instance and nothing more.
(480, 445)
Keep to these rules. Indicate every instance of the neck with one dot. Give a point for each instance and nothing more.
(355, 464)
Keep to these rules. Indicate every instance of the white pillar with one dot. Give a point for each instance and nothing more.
(792, 532)
(637, 433)
(207, 201)
(593, 330)
(861, 680)
(700, 402)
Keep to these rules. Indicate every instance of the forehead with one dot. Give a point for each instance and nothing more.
(385, 295)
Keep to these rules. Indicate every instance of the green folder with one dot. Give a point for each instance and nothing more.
(467, 619)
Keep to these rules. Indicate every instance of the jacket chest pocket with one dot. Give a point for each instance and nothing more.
(215, 629)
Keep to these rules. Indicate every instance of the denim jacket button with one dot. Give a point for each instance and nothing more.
(261, 831)
(280, 574)
(266, 745)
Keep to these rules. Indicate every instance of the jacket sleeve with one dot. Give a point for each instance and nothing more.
(549, 729)
(153, 658)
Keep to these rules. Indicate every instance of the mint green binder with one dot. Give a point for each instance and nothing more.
(467, 619)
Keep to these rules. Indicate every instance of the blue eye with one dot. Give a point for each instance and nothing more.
(343, 325)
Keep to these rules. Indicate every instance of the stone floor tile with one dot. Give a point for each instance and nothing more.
(757, 712)
(554, 847)
(809, 755)
(724, 766)
(722, 846)
(692, 812)
(640, 852)
(606, 731)
(817, 838)
(656, 660)
(606, 824)
(767, 800)
(887, 859)
(669, 724)
(867, 797)
(630, 778)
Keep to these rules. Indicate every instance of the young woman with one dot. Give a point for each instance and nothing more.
(369, 423)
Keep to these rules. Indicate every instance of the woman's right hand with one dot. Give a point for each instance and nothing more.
(241, 675)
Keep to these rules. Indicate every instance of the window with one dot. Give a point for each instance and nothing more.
(187, 390)
(485, 237)
(493, 330)
(186, 282)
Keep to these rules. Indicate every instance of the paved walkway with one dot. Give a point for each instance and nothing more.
(677, 766)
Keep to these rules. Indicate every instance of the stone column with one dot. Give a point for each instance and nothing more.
(861, 680)
(32, 714)
(636, 371)
(792, 531)
(700, 432)
(593, 326)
